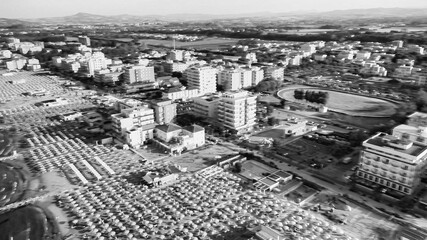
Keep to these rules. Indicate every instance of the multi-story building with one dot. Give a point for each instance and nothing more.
(5, 54)
(96, 61)
(392, 163)
(373, 69)
(181, 94)
(277, 73)
(134, 126)
(206, 106)
(257, 75)
(308, 47)
(235, 79)
(136, 74)
(13, 40)
(164, 111)
(171, 67)
(203, 78)
(16, 64)
(346, 55)
(414, 130)
(176, 55)
(107, 77)
(84, 40)
(236, 111)
(413, 48)
(362, 55)
(397, 43)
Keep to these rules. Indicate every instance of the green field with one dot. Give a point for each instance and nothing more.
(354, 105)
(207, 43)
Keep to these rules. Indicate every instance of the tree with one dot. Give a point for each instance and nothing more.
(282, 103)
(237, 167)
(272, 121)
(357, 137)
(270, 109)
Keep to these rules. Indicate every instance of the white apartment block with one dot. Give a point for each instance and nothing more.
(363, 55)
(393, 163)
(373, 69)
(139, 74)
(277, 73)
(134, 125)
(181, 94)
(85, 40)
(5, 54)
(236, 111)
(308, 47)
(176, 55)
(235, 79)
(347, 55)
(414, 48)
(171, 67)
(257, 75)
(203, 78)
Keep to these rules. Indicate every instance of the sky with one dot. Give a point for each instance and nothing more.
(57, 8)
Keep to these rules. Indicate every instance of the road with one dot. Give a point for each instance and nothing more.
(336, 188)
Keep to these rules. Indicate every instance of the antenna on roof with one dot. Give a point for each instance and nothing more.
(173, 37)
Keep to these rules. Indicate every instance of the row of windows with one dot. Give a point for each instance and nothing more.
(384, 182)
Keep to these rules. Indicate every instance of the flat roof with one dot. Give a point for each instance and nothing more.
(418, 115)
(380, 141)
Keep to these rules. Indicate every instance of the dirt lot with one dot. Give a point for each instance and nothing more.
(198, 159)
(361, 224)
(207, 43)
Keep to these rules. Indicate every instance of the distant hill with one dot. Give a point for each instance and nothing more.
(7, 22)
(87, 18)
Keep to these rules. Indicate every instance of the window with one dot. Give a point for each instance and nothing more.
(393, 185)
(420, 139)
(405, 136)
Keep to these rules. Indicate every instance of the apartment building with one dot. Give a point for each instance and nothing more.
(373, 69)
(203, 78)
(136, 74)
(236, 111)
(181, 93)
(235, 79)
(134, 126)
(85, 40)
(257, 75)
(415, 129)
(392, 163)
(164, 111)
(206, 106)
(277, 73)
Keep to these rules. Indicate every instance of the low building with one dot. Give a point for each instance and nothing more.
(181, 93)
(273, 180)
(54, 102)
(267, 233)
(71, 116)
(158, 179)
(174, 139)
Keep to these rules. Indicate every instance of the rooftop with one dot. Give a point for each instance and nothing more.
(194, 128)
(168, 127)
(399, 145)
(418, 115)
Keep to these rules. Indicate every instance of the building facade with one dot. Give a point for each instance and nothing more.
(136, 74)
(203, 78)
(392, 163)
